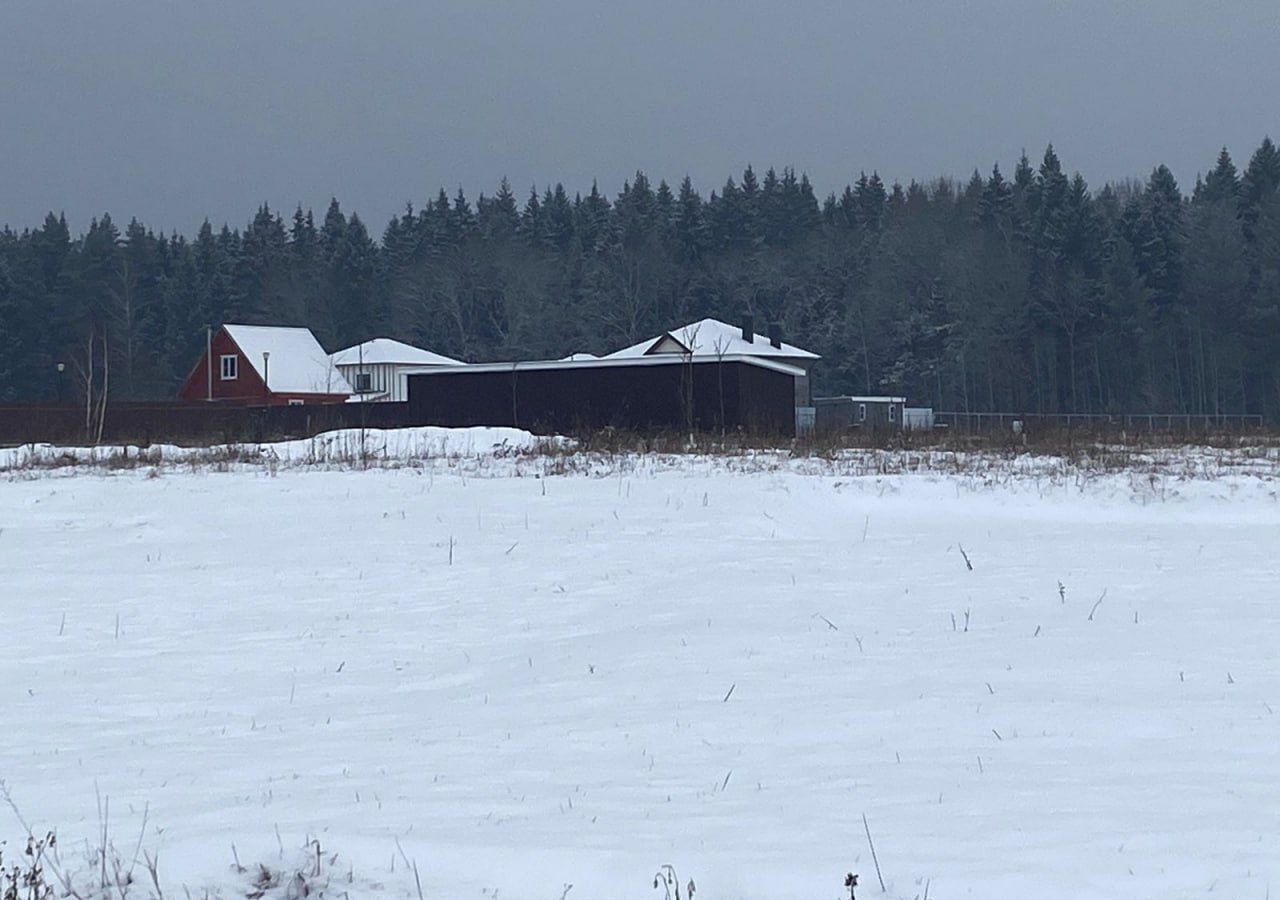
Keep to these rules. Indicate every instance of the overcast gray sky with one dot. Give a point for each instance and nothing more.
(174, 111)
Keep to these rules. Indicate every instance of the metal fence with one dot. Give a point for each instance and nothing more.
(1155, 422)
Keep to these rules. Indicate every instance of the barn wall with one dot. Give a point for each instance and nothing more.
(703, 396)
(713, 396)
(247, 387)
(767, 400)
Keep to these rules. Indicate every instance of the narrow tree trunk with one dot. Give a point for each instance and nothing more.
(88, 389)
(106, 383)
(1071, 368)
(1097, 374)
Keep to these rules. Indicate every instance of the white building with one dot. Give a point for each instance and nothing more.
(376, 369)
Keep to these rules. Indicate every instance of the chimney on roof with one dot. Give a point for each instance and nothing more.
(775, 334)
(748, 329)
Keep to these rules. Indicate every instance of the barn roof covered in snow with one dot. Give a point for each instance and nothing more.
(381, 351)
(711, 337)
(297, 363)
(607, 362)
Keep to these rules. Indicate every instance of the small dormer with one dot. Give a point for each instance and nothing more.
(666, 344)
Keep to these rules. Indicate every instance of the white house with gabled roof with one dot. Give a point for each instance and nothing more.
(376, 368)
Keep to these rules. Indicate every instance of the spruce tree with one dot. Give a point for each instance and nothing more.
(1223, 183)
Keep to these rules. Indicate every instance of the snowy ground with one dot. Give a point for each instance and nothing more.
(524, 683)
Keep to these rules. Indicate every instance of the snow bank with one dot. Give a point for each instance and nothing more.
(332, 447)
(425, 442)
(505, 452)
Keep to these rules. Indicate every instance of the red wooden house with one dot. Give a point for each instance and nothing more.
(259, 365)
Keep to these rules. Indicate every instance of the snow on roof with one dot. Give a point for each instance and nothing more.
(711, 337)
(578, 357)
(662, 359)
(853, 398)
(297, 363)
(388, 350)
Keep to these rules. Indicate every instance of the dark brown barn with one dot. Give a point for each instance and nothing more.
(712, 339)
(666, 392)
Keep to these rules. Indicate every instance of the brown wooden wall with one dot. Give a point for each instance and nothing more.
(193, 423)
(702, 396)
(712, 396)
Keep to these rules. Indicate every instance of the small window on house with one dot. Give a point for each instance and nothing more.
(295, 402)
(862, 412)
(364, 382)
(230, 367)
(893, 412)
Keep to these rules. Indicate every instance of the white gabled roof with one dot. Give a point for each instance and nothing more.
(380, 351)
(711, 337)
(297, 365)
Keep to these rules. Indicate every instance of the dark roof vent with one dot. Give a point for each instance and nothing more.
(775, 334)
(748, 329)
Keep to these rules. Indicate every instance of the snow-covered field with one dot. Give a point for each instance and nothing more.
(523, 683)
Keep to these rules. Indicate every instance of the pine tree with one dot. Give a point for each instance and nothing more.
(805, 216)
(995, 206)
(263, 273)
(558, 211)
(692, 233)
(1223, 183)
(752, 211)
(869, 202)
(500, 219)
(593, 223)
(1262, 177)
(1159, 238)
(532, 222)
(847, 213)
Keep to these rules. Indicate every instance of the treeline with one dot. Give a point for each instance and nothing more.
(1022, 293)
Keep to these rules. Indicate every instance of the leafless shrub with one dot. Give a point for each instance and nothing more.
(25, 878)
(667, 880)
(1051, 460)
(313, 873)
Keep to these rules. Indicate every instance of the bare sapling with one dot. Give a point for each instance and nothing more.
(874, 858)
(1097, 603)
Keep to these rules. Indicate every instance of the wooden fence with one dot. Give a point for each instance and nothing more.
(193, 424)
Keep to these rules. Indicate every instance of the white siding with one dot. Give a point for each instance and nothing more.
(384, 380)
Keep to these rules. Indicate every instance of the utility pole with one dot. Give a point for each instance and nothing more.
(208, 361)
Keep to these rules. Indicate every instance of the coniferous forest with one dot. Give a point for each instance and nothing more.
(1023, 291)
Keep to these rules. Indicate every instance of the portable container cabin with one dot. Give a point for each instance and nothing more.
(838, 413)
